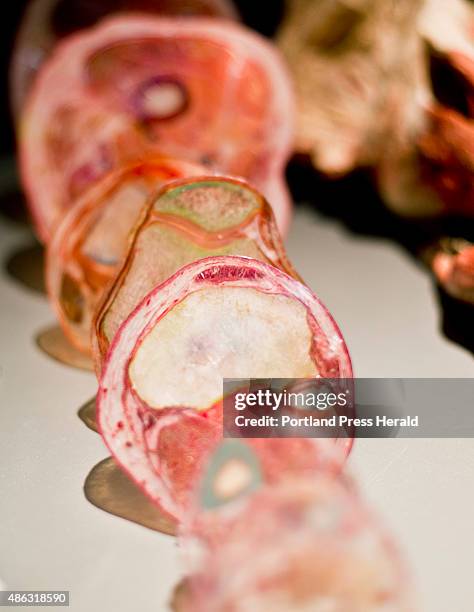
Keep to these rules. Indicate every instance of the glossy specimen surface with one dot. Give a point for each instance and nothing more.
(188, 220)
(301, 545)
(91, 242)
(45, 22)
(209, 92)
(159, 403)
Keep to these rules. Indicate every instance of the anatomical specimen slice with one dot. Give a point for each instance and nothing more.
(159, 405)
(91, 241)
(186, 221)
(47, 21)
(206, 91)
(300, 545)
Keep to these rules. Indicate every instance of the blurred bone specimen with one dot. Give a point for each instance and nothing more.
(352, 61)
(373, 81)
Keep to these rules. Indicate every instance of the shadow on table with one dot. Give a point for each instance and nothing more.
(354, 201)
(25, 266)
(108, 488)
(25, 263)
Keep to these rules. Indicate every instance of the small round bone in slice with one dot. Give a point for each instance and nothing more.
(159, 404)
(301, 545)
(45, 22)
(207, 91)
(91, 241)
(188, 220)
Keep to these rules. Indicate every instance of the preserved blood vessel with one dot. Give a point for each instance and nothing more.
(90, 243)
(302, 544)
(159, 405)
(206, 91)
(188, 220)
(47, 21)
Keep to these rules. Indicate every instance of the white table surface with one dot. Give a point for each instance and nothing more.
(52, 538)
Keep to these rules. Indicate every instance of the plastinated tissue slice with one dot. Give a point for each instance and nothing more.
(188, 220)
(302, 544)
(91, 241)
(45, 22)
(207, 91)
(159, 404)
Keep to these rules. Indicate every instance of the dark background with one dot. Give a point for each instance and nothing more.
(10, 21)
